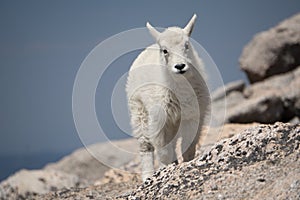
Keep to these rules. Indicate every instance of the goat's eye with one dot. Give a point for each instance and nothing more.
(165, 51)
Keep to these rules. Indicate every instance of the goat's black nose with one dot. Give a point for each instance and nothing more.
(179, 66)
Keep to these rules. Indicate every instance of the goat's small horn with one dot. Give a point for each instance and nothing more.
(189, 27)
(153, 31)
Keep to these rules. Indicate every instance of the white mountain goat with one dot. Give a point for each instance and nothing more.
(167, 97)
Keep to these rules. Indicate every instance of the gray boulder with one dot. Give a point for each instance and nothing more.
(277, 98)
(227, 89)
(273, 52)
(264, 109)
(284, 86)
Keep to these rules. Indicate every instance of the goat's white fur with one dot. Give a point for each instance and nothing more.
(167, 101)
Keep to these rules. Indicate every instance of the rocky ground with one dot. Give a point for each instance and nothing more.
(253, 156)
(237, 168)
(80, 170)
(265, 166)
(256, 162)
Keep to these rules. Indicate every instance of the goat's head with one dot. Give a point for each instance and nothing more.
(174, 46)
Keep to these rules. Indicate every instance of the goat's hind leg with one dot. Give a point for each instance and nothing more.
(167, 150)
(167, 155)
(190, 132)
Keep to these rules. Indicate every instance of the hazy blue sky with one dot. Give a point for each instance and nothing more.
(42, 44)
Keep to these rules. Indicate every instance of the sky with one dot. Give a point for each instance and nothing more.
(43, 44)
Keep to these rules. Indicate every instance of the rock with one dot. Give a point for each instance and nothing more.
(264, 109)
(131, 171)
(214, 134)
(227, 89)
(234, 98)
(82, 164)
(221, 106)
(273, 52)
(123, 182)
(285, 86)
(276, 98)
(291, 94)
(277, 83)
(295, 121)
(76, 170)
(26, 183)
(259, 163)
(272, 63)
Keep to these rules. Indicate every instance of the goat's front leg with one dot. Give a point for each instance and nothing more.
(147, 158)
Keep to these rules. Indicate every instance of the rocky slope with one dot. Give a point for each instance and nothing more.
(81, 169)
(261, 162)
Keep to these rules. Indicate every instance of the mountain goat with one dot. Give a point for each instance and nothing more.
(167, 97)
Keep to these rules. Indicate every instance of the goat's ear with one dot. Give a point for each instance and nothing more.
(189, 27)
(153, 31)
